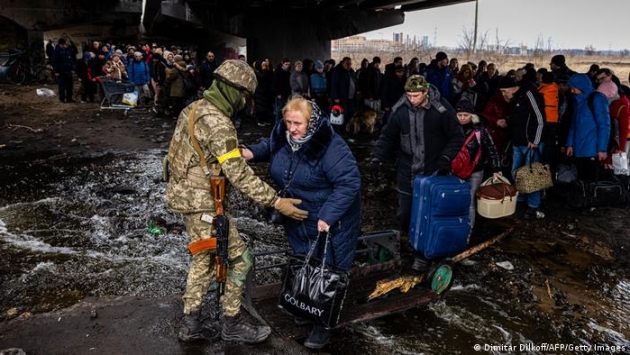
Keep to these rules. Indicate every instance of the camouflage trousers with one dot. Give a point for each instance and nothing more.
(202, 268)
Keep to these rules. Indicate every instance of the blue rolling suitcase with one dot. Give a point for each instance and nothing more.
(440, 221)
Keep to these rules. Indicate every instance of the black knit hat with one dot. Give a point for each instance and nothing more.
(465, 106)
(507, 82)
(558, 60)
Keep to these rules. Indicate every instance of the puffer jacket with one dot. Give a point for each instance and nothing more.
(326, 178)
(590, 130)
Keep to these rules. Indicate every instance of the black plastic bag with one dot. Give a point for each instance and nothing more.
(313, 290)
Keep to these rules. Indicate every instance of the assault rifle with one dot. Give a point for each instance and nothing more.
(221, 224)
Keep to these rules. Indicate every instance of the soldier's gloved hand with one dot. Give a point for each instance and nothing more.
(376, 166)
(444, 166)
(286, 206)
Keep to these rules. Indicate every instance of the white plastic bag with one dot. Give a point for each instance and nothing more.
(620, 163)
(130, 98)
(44, 92)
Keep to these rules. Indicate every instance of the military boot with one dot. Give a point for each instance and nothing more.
(238, 329)
(193, 329)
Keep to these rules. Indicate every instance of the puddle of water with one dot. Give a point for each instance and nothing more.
(77, 228)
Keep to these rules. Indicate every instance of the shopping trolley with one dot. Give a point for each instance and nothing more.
(112, 92)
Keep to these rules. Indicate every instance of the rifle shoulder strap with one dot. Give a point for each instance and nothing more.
(193, 140)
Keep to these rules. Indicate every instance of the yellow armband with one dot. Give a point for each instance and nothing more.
(234, 153)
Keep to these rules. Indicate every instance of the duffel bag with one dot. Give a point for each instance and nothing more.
(583, 194)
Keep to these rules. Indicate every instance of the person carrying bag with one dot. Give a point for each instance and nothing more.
(312, 289)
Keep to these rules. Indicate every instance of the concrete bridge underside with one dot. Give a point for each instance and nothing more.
(269, 28)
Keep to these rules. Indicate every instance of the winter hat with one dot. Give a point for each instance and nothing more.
(465, 106)
(507, 82)
(178, 58)
(87, 55)
(608, 88)
(558, 60)
(464, 68)
(416, 83)
(440, 56)
(118, 52)
(319, 64)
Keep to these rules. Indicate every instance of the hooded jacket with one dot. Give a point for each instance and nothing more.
(323, 173)
(442, 137)
(589, 132)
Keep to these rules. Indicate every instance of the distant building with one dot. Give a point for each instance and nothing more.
(361, 44)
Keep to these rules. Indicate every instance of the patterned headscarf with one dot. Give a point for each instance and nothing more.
(313, 125)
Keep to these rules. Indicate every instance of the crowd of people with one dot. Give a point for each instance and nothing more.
(525, 115)
(166, 79)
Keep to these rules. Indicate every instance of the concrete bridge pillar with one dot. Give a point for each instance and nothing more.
(35, 43)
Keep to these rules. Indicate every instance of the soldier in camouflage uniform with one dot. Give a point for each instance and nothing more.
(188, 192)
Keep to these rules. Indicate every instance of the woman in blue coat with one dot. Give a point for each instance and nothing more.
(310, 162)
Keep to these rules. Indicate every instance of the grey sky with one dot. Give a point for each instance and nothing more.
(566, 23)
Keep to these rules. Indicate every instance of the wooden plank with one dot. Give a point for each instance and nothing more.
(356, 308)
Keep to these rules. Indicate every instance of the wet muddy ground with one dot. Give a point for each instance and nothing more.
(73, 227)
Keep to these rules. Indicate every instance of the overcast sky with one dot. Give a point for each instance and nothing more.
(604, 24)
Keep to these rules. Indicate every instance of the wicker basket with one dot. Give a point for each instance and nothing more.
(496, 198)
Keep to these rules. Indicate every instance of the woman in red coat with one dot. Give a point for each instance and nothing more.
(496, 113)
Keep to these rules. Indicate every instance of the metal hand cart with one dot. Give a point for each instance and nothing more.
(380, 287)
(112, 92)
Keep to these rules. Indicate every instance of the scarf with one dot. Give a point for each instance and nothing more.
(224, 97)
(313, 125)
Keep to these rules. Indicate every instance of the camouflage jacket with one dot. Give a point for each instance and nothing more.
(188, 188)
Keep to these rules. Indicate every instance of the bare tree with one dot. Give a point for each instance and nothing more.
(539, 49)
(500, 44)
(476, 25)
(590, 50)
(467, 41)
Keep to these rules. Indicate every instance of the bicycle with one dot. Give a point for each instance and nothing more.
(23, 72)
(20, 71)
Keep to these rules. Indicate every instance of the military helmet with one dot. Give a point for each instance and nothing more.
(416, 83)
(237, 74)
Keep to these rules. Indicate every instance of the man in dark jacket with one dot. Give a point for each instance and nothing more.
(424, 130)
(392, 89)
(281, 86)
(527, 119)
(63, 63)
(559, 66)
(344, 86)
(206, 70)
(439, 74)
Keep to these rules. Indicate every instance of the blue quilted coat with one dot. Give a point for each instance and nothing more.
(327, 180)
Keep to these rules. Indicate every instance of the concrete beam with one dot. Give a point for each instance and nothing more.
(44, 15)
